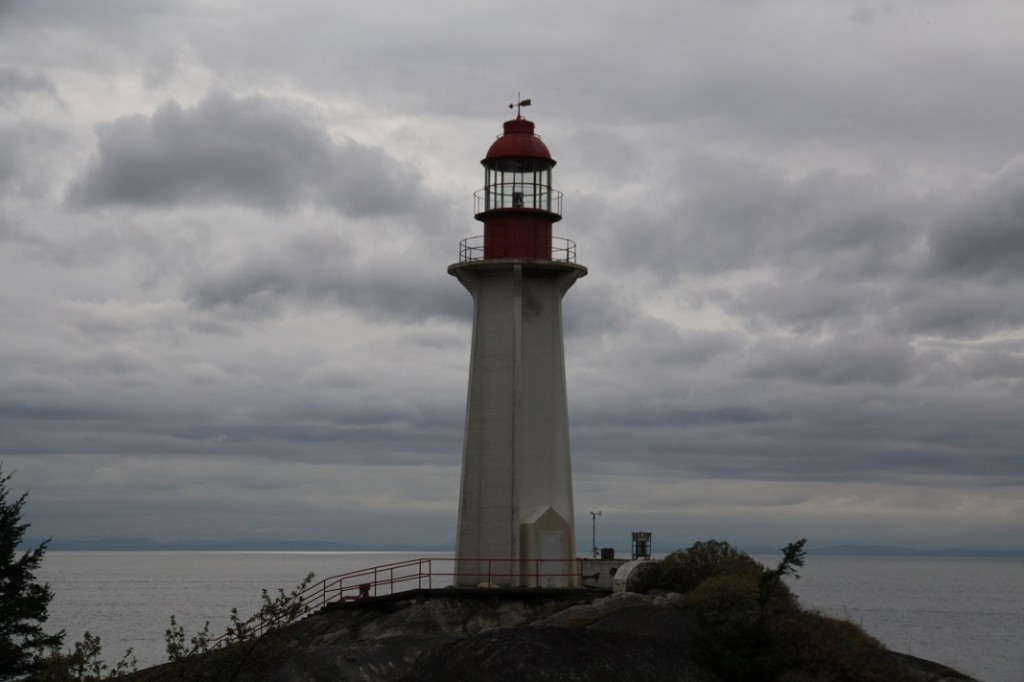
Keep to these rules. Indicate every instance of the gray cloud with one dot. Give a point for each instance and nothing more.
(326, 268)
(252, 151)
(955, 308)
(23, 171)
(15, 83)
(726, 216)
(985, 235)
(27, 141)
(849, 360)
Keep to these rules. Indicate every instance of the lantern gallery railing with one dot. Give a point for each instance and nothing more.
(472, 249)
(517, 195)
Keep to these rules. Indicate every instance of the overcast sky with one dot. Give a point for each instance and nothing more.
(225, 227)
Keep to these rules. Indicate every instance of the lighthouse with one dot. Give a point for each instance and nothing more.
(515, 506)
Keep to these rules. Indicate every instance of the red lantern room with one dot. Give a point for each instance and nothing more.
(517, 204)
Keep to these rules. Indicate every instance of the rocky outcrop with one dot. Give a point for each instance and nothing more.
(498, 636)
(625, 636)
(578, 637)
(928, 670)
(558, 655)
(382, 642)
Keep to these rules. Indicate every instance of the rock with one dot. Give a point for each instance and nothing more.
(551, 654)
(542, 637)
(583, 615)
(929, 670)
(383, 644)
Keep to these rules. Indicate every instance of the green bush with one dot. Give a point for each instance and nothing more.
(722, 598)
(683, 570)
(84, 663)
(803, 646)
(752, 627)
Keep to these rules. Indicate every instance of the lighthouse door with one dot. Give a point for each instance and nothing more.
(551, 569)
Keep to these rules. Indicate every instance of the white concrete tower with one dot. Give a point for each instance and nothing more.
(515, 509)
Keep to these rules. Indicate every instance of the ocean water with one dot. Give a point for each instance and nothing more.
(967, 613)
(128, 598)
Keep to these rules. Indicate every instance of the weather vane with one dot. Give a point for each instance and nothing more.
(519, 104)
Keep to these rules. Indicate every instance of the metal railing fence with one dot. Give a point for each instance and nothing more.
(418, 574)
(472, 249)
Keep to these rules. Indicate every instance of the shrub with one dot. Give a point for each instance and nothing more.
(803, 646)
(248, 645)
(684, 570)
(84, 663)
(752, 627)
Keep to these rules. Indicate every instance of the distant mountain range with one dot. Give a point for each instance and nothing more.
(889, 550)
(272, 545)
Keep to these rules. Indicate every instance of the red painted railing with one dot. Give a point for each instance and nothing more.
(426, 573)
(413, 574)
(430, 573)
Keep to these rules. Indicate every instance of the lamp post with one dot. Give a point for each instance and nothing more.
(593, 532)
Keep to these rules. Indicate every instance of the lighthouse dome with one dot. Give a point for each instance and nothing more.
(519, 141)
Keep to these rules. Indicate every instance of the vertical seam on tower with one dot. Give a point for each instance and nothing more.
(517, 359)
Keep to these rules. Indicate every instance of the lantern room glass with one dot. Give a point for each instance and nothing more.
(517, 183)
